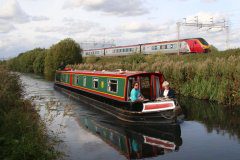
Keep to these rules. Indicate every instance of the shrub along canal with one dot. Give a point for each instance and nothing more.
(209, 131)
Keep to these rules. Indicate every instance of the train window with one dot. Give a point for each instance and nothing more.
(168, 46)
(174, 46)
(164, 46)
(171, 46)
(84, 81)
(154, 47)
(113, 85)
(95, 83)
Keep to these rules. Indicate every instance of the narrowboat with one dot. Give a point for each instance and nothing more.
(109, 91)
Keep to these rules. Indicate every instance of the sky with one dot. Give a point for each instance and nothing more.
(28, 24)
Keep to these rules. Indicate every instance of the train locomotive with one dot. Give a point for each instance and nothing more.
(193, 45)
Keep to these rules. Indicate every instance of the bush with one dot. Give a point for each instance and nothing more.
(22, 133)
(91, 59)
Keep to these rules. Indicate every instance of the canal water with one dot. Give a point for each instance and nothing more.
(208, 131)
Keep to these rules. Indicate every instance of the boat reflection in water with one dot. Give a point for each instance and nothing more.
(135, 142)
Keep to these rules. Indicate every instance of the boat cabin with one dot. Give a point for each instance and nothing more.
(114, 85)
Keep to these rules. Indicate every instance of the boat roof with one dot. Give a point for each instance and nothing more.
(116, 73)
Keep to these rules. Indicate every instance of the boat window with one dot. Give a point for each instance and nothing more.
(95, 83)
(65, 78)
(76, 79)
(113, 85)
(145, 87)
(84, 81)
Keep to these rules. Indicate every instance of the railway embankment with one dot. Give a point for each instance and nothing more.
(23, 135)
(213, 76)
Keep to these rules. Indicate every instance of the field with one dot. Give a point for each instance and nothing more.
(214, 76)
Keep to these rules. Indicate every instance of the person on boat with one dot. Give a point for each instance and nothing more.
(62, 66)
(167, 92)
(135, 93)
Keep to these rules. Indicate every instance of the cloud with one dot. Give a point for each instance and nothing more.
(11, 14)
(11, 11)
(209, 1)
(69, 26)
(142, 27)
(5, 28)
(206, 1)
(112, 7)
(138, 27)
(39, 18)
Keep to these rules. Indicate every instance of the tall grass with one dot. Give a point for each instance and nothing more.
(22, 133)
(214, 76)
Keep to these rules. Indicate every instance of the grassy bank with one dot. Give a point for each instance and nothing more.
(22, 133)
(214, 76)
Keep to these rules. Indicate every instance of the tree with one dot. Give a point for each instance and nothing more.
(65, 52)
(38, 64)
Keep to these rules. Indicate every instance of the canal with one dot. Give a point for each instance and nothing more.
(208, 131)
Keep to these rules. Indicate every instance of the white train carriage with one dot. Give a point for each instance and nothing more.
(122, 50)
(168, 47)
(93, 52)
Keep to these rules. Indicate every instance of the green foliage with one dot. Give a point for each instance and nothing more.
(135, 58)
(38, 64)
(24, 62)
(22, 133)
(91, 59)
(66, 51)
(3, 62)
(214, 76)
(213, 49)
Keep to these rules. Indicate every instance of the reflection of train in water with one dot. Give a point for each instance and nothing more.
(193, 45)
(136, 142)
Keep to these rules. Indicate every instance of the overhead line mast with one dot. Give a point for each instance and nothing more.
(212, 25)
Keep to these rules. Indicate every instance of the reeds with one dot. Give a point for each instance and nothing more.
(22, 133)
(213, 76)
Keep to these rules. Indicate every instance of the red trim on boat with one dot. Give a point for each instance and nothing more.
(159, 142)
(157, 106)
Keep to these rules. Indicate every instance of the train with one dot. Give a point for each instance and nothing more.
(192, 45)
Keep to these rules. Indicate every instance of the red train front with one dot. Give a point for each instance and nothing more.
(198, 45)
